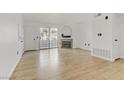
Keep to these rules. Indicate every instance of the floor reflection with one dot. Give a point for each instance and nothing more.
(49, 62)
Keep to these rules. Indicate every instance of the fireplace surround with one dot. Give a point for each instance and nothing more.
(66, 43)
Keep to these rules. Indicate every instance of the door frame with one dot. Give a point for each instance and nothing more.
(49, 29)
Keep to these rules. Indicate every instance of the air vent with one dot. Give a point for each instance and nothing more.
(99, 14)
(102, 52)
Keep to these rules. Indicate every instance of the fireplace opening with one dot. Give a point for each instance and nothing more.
(66, 43)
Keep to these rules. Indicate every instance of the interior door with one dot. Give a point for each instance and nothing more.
(44, 38)
(30, 39)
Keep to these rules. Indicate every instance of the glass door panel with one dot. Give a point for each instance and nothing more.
(44, 40)
(53, 38)
(48, 38)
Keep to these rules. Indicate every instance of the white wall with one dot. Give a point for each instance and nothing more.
(31, 31)
(122, 40)
(9, 44)
(119, 27)
(34, 28)
(102, 45)
(116, 35)
(81, 25)
(105, 46)
(100, 25)
(112, 28)
(121, 35)
(85, 35)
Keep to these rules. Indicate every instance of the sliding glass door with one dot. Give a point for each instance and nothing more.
(53, 38)
(44, 38)
(48, 38)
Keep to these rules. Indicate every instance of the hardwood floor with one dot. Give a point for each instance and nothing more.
(66, 64)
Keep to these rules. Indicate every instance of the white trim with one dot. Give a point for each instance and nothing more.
(122, 57)
(85, 48)
(12, 70)
(109, 59)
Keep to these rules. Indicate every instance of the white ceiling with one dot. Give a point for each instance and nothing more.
(57, 18)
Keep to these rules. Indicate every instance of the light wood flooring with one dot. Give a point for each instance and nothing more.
(66, 64)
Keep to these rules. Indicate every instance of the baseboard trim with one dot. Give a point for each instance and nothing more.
(109, 59)
(13, 69)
